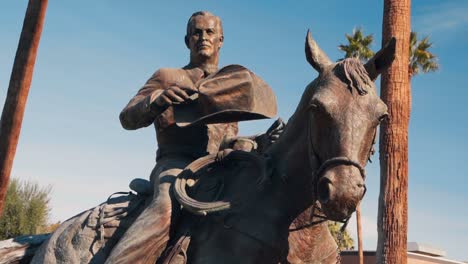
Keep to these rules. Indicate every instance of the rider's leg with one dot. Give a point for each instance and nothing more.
(146, 239)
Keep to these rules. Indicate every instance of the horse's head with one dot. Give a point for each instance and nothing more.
(343, 111)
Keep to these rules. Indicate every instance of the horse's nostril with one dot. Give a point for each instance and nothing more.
(323, 190)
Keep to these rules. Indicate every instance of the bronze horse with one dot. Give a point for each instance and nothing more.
(319, 157)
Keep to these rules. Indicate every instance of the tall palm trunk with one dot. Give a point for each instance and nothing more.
(359, 235)
(20, 81)
(393, 199)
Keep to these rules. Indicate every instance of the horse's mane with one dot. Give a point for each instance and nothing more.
(353, 73)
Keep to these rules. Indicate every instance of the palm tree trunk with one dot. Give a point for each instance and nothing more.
(393, 200)
(359, 235)
(20, 81)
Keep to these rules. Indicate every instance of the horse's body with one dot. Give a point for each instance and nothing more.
(320, 156)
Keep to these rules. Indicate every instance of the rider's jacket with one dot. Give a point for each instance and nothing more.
(195, 141)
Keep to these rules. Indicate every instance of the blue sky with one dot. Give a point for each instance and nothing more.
(94, 56)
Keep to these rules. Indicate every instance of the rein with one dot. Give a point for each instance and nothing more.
(182, 180)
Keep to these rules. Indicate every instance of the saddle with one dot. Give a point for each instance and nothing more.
(90, 236)
(201, 189)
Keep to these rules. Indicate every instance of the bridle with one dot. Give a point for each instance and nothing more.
(324, 166)
(329, 163)
(337, 161)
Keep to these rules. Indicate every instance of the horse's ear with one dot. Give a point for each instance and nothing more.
(381, 60)
(315, 56)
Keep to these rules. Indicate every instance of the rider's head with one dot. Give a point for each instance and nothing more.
(204, 37)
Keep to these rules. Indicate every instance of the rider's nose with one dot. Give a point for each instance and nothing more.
(204, 35)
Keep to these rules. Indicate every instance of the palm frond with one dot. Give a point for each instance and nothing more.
(358, 45)
(421, 59)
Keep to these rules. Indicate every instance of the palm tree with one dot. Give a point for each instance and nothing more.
(392, 222)
(421, 60)
(18, 89)
(358, 45)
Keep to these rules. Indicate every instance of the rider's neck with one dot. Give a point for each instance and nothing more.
(207, 68)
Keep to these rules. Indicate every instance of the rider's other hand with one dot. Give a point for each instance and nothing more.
(275, 130)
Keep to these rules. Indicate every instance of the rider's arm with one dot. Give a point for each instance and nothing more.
(166, 87)
(140, 111)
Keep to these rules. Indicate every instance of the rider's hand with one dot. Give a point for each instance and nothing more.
(273, 133)
(275, 130)
(171, 95)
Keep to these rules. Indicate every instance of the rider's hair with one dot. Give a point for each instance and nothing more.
(204, 13)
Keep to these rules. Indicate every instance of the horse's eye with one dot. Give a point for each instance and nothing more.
(383, 117)
(313, 107)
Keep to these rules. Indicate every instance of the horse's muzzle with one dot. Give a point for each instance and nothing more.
(339, 190)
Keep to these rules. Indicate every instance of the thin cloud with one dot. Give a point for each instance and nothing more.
(441, 17)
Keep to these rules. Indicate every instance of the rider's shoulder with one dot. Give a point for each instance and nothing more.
(170, 76)
(165, 73)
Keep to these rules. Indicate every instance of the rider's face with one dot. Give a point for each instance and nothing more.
(205, 37)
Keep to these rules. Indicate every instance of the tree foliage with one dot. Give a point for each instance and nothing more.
(421, 59)
(26, 209)
(345, 242)
(358, 45)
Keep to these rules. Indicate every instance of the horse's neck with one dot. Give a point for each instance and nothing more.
(294, 163)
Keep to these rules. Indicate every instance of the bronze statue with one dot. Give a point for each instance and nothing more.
(167, 99)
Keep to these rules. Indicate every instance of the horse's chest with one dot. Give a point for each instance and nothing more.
(211, 244)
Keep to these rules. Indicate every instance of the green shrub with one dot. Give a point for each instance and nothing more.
(26, 210)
